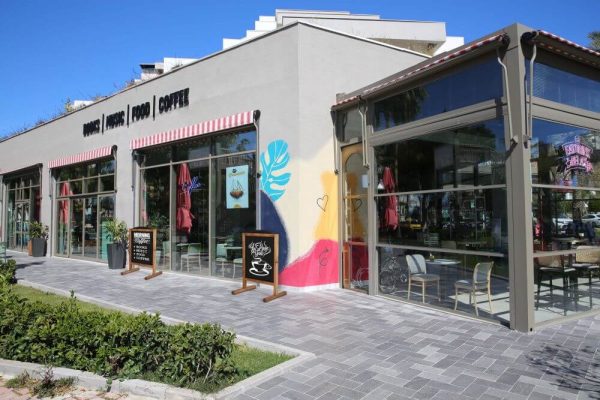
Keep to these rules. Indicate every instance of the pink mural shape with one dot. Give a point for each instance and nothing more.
(317, 267)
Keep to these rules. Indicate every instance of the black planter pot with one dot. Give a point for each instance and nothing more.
(116, 256)
(38, 247)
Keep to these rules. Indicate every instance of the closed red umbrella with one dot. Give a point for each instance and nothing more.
(391, 209)
(184, 199)
(65, 190)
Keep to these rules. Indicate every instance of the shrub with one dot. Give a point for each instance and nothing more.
(8, 270)
(112, 344)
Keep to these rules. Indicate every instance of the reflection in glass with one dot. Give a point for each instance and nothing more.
(233, 214)
(473, 84)
(154, 210)
(90, 227)
(578, 90)
(107, 212)
(76, 226)
(234, 142)
(565, 155)
(447, 268)
(63, 226)
(470, 220)
(467, 156)
(23, 206)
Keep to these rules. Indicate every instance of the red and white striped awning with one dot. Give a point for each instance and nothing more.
(201, 128)
(81, 157)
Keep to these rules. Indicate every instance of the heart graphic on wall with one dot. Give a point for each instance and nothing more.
(356, 204)
(322, 202)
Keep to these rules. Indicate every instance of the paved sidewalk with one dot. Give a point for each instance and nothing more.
(366, 347)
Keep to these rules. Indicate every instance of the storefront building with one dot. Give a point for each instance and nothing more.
(237, 141)
(448, 162)
(452, 173)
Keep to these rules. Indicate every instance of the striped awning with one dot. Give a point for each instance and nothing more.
(81, 157)
(201, 128)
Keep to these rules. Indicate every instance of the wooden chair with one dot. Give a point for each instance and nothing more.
(417, 272)
(587, 262)
(481, 282)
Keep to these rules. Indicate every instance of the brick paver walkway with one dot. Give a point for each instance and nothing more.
(366, 347)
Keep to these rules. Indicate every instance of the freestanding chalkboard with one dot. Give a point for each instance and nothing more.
(142, 251)
(260, 262)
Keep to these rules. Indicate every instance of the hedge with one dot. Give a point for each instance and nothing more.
(111, 344)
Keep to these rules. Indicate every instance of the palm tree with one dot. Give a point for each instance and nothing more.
(595, 40)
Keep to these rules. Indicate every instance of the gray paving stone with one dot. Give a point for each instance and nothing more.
(364, 346)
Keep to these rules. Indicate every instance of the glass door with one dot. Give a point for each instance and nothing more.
(90, 217)
(62, 240)
(77, 227)
(105, 213)
(355, 260)
(18, 226)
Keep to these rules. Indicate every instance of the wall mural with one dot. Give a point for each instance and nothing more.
(276, 158)
(319, 266)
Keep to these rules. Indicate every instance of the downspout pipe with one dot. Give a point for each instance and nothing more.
(513, 138)
(529, 38)
(362, 109)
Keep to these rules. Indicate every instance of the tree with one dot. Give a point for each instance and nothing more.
(595, 40)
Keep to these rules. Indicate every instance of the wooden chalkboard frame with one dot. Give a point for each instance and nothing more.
(245, 279)
(133, 267)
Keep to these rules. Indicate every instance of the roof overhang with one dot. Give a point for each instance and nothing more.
(562, 46)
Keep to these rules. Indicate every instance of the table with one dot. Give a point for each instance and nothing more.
(569, 241)
(444, 262)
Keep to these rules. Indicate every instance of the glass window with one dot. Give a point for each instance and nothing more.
(349, 125)
(467, 156)
(157, 156)
(154, 209)
(471, 85)
(191, 150)
(580, 90)
(234, 142)
(565, 155)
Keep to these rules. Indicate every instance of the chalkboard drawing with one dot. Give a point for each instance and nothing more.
(237, 190)
(276, 158)
(260, 267)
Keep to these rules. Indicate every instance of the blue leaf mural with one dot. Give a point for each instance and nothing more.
(276, 158)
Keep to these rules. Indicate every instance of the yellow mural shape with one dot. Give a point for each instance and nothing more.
(327, 227)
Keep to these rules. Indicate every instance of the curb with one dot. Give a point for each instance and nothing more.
(152, 389)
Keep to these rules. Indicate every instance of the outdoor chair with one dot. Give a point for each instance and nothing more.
(548, 268)
(237, 263)
(194, 253)
(166, 252)
(587, 262)
(417, 272)
(481, 283)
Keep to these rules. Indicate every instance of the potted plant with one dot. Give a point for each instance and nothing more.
(117, 232)
(38, 234)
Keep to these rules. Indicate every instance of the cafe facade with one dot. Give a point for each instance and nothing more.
(469, 182)
(444, 171)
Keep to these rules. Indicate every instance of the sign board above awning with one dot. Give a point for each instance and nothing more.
(81, 157)
(201, 128)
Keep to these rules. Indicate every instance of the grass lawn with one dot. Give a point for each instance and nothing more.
(249, 361)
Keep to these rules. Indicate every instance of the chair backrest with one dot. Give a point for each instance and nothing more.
(221, 250)
(194, 248)
(548, 261)
(482, 272)
(585, 254)
(416, 264)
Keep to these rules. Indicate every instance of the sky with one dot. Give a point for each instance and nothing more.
(55, 50)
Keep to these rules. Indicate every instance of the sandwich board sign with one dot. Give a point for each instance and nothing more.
(260, 262)
(142, 251)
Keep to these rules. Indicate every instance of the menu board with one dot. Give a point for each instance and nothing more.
(260, 255)
(142, 246)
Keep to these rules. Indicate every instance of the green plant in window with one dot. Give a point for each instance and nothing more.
(116, 230)
(37, 230)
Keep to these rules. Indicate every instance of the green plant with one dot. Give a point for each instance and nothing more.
(46, 386)
(8, 269)
(37, 230)
(117, 230)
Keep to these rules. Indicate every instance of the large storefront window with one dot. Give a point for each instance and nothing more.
(565, 168)
(23, 206)
(201, 195)
(441, 211)
(581, 90)
(85, 202)
(471, 85)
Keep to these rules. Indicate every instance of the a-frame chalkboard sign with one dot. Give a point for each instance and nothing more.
(142, 251)
(260, 255)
